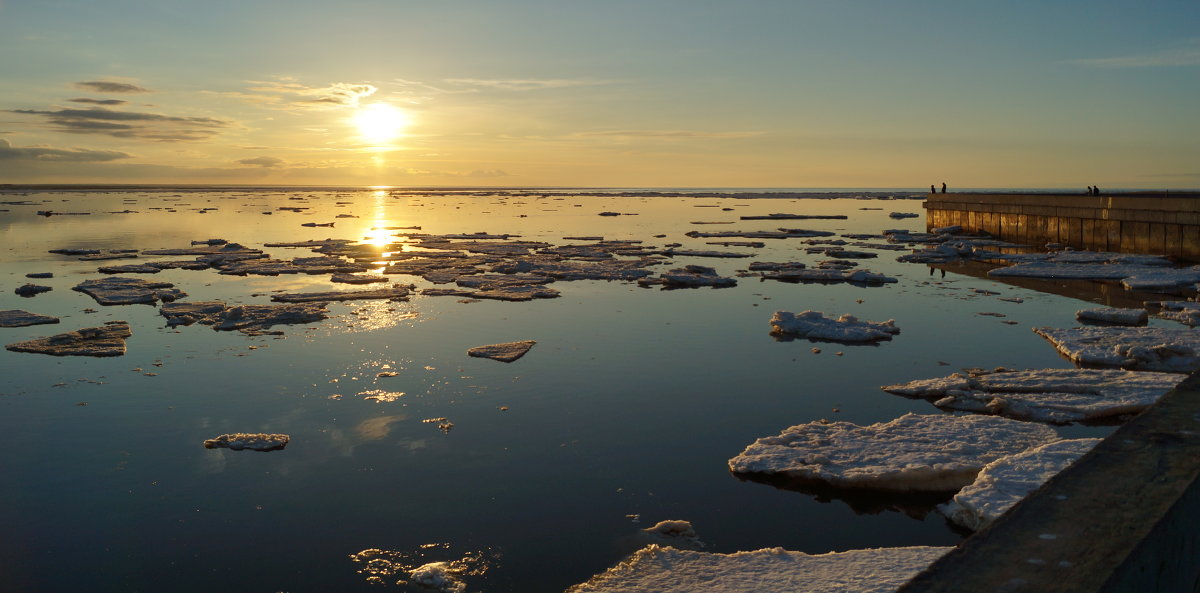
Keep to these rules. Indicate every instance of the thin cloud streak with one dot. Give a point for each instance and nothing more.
(1175, 58)
(57, 155)
(128, 124)
(102, 86)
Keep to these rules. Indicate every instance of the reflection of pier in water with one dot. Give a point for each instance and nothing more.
(1109, 294)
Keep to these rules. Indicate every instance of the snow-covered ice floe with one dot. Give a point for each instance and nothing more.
(246, 440)
(507, 352)
(1113, 315)
(847, 328)
(913, 453)
(689, 277)
(829, 275)
(106, 340)
(1136, 348)
(1045, 395)
(1185, 312)
(660, 569)
(19, 318)
(1006, 481)
(128, 291)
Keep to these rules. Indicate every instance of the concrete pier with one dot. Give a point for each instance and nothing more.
(1159, 223)
(1125, 518)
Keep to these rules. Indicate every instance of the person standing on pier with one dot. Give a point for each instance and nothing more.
(934, 191)
(943, 187)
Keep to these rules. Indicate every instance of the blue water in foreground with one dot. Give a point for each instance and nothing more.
(624, 413)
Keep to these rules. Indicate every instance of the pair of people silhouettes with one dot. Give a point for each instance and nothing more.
(1093, 190)
(932, 190)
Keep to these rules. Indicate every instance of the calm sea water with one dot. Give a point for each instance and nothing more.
(622, 415)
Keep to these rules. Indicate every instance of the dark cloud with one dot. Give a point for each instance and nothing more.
(261, 161)
(99, 101)
(128, 124)
(101, 86)
(8, 152)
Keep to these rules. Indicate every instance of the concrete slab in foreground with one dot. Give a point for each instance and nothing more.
(1124, 518)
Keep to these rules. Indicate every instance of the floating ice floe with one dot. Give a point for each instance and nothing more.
(1136, 348)
(128, 291)
(847, 328)
(913, 453)
(661, 569)
(130, 269)
(1045, 395)
(899, 215)
(187, 313)
(778, 216)
(394, 292)
(1185, 312)
(1008, 480)
(779, 234)
(689, 277)
(28, 290)
(245, 440)
(510, 293)
(19, 318)
(1113, 315)
(672, 529)
(257, 319)
(829, 275)
(506, 352)
(440, 576)
(106, 340)
(358, 278)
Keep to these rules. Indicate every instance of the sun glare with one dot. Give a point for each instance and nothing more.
(380, 122)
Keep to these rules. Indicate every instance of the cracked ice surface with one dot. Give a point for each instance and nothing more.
(847, 328)
(913, 453)
(1006, 481)
(1136, 348)
(669, 570)
(1045, 395)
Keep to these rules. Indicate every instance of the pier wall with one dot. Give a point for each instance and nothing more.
(1125, 518)
(1158, 223)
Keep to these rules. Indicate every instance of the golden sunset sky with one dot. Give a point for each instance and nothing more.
(614, 93)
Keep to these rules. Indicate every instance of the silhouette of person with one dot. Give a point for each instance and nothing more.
(934, 191)
(1097, 190)
(943, 187)
(1089, 190)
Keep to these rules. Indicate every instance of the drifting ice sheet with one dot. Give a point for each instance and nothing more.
(1045, 395)
(1185, 312)
(19, 318)
(245, 440)
(668, 570)
(107, 340)
(506, 352)
(847, 328)
(128, 291)
(1136, 348)
(1114, 315)
(1006, 481)
(913, 453)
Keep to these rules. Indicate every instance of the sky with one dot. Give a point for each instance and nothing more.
(602, 93)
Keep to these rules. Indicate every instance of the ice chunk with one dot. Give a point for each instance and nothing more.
(127, 291)
(245, 440)
(690, 277)
(847, 328)
(1185, 312)
(1115, 316)
(187, 313)
(19, 318)
(28, 290)
(1137, 348)
(506, 352)
(1006, 481)
(107, 340)
(660, 569)
(394, 292)
(1045, 395)
(913, 453)
(438, 576)
(829, 275)
(256, 319)
(672, 528)
(510, 293)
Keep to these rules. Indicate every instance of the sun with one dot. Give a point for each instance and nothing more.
(380, 122)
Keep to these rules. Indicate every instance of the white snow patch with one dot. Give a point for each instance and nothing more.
(1045, 395)
(913, 453)
(1137, 348)
(659, 569)
(847, 328)
(1006, 481)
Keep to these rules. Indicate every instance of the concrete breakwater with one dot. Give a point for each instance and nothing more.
(1160, 223)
